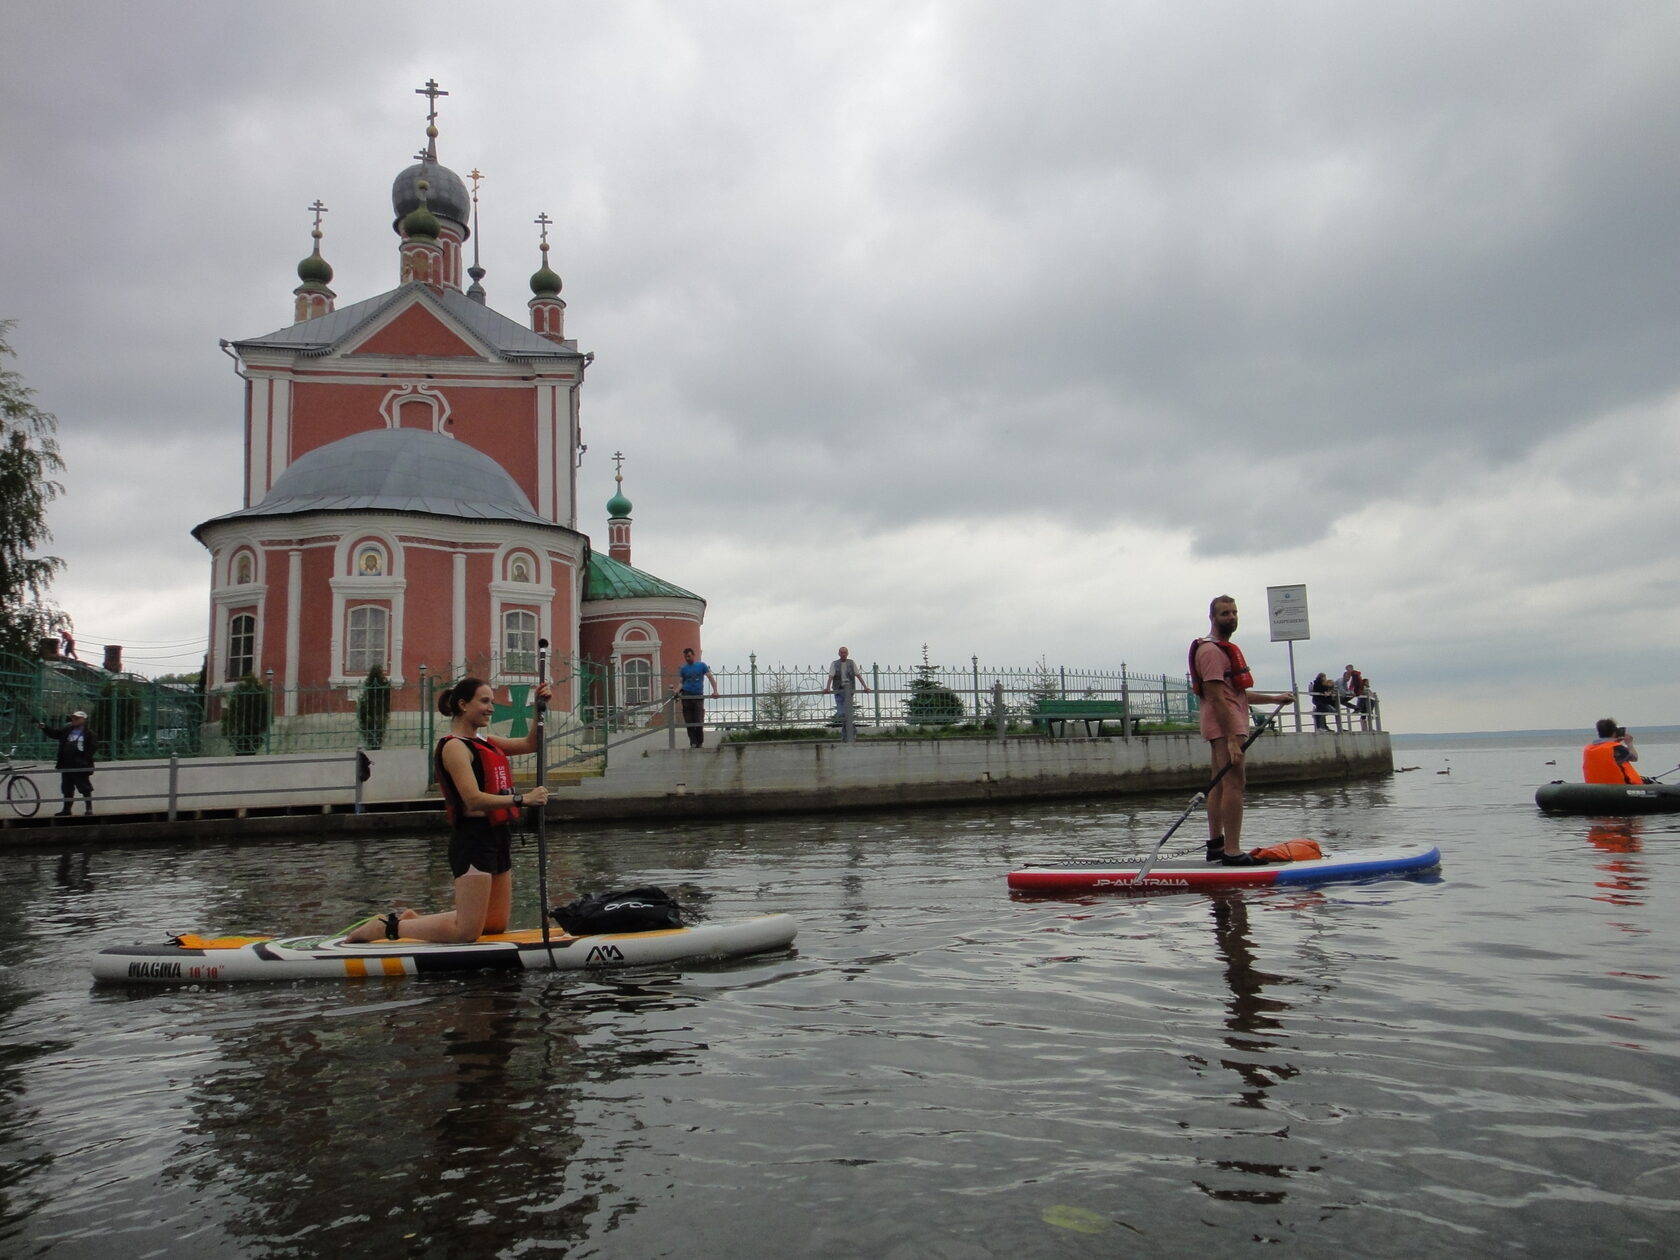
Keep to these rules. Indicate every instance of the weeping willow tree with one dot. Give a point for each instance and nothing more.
(29, 466)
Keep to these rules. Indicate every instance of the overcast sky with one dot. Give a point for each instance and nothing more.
(1018, 329)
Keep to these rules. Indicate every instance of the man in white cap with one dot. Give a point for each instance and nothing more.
(75, 760)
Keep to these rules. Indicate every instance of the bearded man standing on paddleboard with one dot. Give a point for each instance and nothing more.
(1220, 676)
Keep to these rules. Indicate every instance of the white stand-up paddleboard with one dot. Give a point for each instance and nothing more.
(221, 960)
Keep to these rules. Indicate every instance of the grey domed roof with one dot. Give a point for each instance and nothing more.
(446, 195)
(396, 470)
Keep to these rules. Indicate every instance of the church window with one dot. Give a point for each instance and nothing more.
(365, 645)
(519, 642)
(638, 681)
(242, 646)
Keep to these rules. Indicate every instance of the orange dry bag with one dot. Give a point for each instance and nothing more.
(1290, 851)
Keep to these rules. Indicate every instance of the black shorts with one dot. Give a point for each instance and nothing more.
(477, 844)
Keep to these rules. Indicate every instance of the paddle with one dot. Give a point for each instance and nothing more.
(1261, 725)
(1658, 778)
(542, 810)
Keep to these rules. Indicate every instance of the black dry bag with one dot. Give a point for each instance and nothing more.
(633, 910)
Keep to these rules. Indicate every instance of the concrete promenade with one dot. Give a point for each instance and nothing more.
(252, 797)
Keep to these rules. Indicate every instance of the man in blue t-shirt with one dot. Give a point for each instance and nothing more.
(695, 675)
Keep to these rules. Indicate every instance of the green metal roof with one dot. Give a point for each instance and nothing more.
(613, 579)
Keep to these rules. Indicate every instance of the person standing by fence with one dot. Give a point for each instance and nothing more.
(1323, 701)
(695, 674)
(75, 760)
(844, 678)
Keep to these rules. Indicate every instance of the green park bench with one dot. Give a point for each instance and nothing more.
(1058, 713)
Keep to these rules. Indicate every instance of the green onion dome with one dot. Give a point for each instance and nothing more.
(420, 223)
(315, 269)
(544, 281)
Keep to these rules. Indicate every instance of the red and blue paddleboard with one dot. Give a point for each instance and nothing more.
(1185, 874)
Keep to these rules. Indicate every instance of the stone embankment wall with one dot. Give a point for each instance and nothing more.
(798, 775)
(255, 796)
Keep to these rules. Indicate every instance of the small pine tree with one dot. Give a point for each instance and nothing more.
(1046, 685)
(780, 703)
(931, 702)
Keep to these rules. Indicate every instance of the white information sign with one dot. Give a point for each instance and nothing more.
(1287, 606)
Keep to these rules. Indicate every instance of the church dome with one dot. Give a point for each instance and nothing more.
(315, 269)
(397, 470)
(446, 195)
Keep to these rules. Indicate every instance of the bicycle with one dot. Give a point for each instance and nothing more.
(21, 793)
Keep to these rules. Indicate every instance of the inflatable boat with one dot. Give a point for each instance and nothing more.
(1608, 799)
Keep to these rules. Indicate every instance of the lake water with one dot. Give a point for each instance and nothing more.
(1480, 1062)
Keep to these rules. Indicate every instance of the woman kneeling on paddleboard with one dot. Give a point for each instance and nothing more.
(482, 805)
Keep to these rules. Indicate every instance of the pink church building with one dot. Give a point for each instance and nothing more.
(410, 490)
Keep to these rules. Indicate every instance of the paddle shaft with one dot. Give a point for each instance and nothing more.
(542, 782)
(1201, 796)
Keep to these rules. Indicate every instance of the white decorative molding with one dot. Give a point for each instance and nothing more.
(391, 405)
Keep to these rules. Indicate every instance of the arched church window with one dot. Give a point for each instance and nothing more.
(368, 629)
(519, 642)
(638, 681)
(370, 561)
(242, 645)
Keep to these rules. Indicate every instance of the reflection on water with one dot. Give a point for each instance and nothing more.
(361, 1126)
(1625, 882)
(1469, 1064)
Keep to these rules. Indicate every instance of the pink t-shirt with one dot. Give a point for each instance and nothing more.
(1212, 663)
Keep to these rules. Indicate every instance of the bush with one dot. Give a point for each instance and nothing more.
(770, 734)
(246, 715)
(373, 708)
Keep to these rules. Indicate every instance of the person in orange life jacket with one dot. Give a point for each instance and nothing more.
(479, 797)
(1221, 678)
(1610, 757)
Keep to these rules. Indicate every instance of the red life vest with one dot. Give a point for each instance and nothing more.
(1237, 674)
(1599, 764)
(494, 773)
